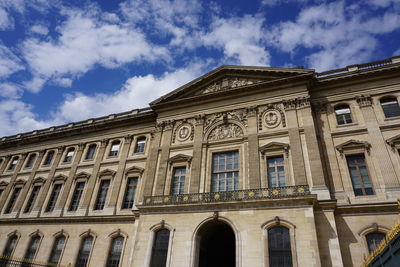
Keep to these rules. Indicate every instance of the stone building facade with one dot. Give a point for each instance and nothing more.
(244, 166)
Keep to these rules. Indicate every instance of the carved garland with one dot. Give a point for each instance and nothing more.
(271, 116)
(225, 131)
(238, 115)
(184, 131)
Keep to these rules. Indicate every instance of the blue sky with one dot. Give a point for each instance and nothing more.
(63, 61)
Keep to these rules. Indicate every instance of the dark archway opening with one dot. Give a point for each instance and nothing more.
(217, 245)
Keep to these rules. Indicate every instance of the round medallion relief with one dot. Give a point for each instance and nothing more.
(184, 132)
(272, 118)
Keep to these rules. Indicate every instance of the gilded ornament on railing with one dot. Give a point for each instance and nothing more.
(216, 196)
(275, 192)
(166, 199)
(225, 131)
(300, 190)
(185, 198)
(251, 194)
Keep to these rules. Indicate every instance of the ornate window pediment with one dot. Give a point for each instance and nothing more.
(60, 177)
(180, 158)
(82, 175)
(107, 172)
(39, 180)
(274, 146)
(19, 182)
(353, 144)
(134, 169)
(3, 184)
(394, 142)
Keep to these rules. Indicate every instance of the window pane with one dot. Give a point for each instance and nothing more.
(30, 161)
(115, 252)
(390, 107)
(140, 144)
(280, 254)
(76, 197)
(12, 200)
(373, 240)
(129, 196)
(84, 252)
(90, 152)
(32, 198)
(57, 250)
(49, 158)
(32, 248)
(160, 249)
(102, 194)
(225, 171)
(276, 171)
(10, 247)
(53, 197)
(359, 175)
(178, 181)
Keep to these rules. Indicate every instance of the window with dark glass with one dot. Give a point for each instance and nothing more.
(10, 246)
(1, 161)
(102, 194)
(390, 107)
(343, 114)
(130, 191)
(30, 161)
(49, 158)
(32, 247)
(1, 191)
(114, 149)
(84, 252)
(140, 144)
(359, 175)
(276, 171)
(225, 171)
(114, 255)
(58, 247)
(373, 240)
(32, 198)
(279, 249)
(76, 196)
(13, 163)
(178, 181)
(53, 197)
(159, 251)
(69, 155)
(90, 152)
(12, 200)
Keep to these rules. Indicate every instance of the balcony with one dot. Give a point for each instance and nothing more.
(229, 196)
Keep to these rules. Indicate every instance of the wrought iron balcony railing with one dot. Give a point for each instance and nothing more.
(226, 196)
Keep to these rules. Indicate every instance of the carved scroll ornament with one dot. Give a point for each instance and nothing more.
(225, 131)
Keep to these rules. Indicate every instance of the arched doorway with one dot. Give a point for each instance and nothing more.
(216, 245)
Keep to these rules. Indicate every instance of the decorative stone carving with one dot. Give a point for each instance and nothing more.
(200, 119)
(183, 132)
(239, 115)
(296, 103)
(364, 100)
(228, 83)
(353, 144)
(394, 142)
(165, 125)
(225, 131)
(271, 116)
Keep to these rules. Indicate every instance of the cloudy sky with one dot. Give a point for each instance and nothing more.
(71, 60)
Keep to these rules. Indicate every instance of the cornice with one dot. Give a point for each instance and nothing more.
(368, 208)
(66, 220)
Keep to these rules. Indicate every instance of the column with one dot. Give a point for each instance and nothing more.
(151, 163)
(39, 205)
(195, 171)
(314, 156)
(68, 183)
(120, 173)
(163, 165)
(12, 180)
(91, 183)
(253, 153)
(378, 144)
(28, 184)
(295, 142)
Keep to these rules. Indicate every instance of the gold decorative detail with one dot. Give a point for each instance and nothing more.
(148, 200)
(275, 192)
(300, 190)
(166, 199)
(251, 194)
(185, 198)
(216, 196)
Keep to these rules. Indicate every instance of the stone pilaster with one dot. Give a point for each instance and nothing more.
(120, 173)
(12, 180)
(378, 145)
(91, 183)
(151, 163)
(253, 153)
(72, 173)
(39, 205)
(28, 184)
(195, 171)
(295, 143)
(5, 163)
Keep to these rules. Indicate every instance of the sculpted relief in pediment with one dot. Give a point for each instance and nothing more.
(225, 131)
(228, 83)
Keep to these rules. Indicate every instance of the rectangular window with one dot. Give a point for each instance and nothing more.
(225, 171)
(178, 181)
(359, 175)
(53, 197)
(69, 156)
(90, 152)
(114, 149)
(102, 195)
(13, 199)
(13, 164)
(276, 171)
(76, 196)
(30, 161)
(130, 190)
(49, 158)
(140, 144)
(32, 198)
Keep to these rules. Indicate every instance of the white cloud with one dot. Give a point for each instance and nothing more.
(396, 53)
(86, 40)
(10, 90)
(277, 2)
(383, 3)
(9, 62)
(336, 34)
(240, 38)
(40, 29)
(6, 22)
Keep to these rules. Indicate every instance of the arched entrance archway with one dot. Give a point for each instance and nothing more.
(216, 245)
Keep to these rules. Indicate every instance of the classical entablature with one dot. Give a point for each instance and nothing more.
(352, 145)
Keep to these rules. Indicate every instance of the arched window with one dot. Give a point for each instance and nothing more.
(390, 107)
(159, 250)
(13, 163)
(49, 158)
(279, 249)
(58, 247)
(114, 148)
(114, 255)
(69, 155)
(343, 114)
(32, 247)
(30, 161)
(90, 152)
(374, 239)
(84, 252)
(140, 144)
(10, 246)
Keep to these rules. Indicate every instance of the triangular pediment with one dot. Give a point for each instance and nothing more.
(353, 144)
(230, 78)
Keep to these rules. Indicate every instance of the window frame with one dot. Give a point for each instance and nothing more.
(126, 192)
(183, 188)
(87, 149)
(389, 98)
(82, 194)
(11, 166)
(98, 188)
(30, 203)
(55, 183)
(83, 236)
(140, 139)
(233, 170)
(15, 234)
(110, 153)
(69, 159)
(362, 182)
(55, 237)
(28, 158)
(275, 149)
(112, 237)
(31, 237)
(44, 162)
(276, 166)
(343, 106)
(7, 208)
